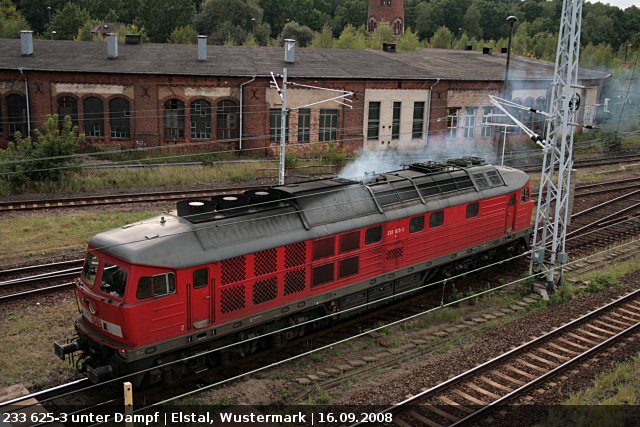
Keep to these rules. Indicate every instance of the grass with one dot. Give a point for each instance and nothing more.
(31, 237)
(27, 344)
(605, 403)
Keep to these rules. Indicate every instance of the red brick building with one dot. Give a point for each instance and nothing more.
(153, 94)
(390, 11)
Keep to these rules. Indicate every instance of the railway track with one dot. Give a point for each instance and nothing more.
(588, 163)
(35, 279)
(474, 393)
(113, 199)
(622, 209)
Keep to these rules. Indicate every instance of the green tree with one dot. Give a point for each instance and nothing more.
(48, 158)
(382, 34)
(351, 38)
(11, 21)
(471, 23)
(37, 12)
(429, 18)
(352, 12)
(67, 21)
(250, 40)
(220, 19)
(408, 41)
(443, 38)
(300, 33)
(324, 39)
(184, 35)
(160, 17)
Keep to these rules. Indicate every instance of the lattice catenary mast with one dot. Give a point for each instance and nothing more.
(550, 227)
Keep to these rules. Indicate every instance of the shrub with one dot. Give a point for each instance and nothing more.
(48, 158)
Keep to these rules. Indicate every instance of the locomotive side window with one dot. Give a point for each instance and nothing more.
(322, 274)
(416, 224)
(323, 248)
(114, 280)
(473, 209)
(349, 241)
(157, 286)
(525, 194)
(90, 268)
(512, 199)
(163, 284)
(200, 278)
(373, 235)
(348, 267)
(436, 219)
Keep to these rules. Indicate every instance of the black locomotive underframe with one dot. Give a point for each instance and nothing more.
(103, 361)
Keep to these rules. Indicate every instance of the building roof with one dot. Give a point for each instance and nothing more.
(229, 61)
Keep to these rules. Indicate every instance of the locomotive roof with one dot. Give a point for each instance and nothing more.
(305, 211)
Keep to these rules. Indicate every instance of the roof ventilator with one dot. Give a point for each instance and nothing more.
(202, 48)
(289, 51)
(26, 42)
(112, 46)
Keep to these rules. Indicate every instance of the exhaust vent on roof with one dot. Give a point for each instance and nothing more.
(289, 51)
(132, 39)
(112, 45)
(202, 48)
(389, 47)
(486, 50)
(504, 50)
(468, 47)
(26, 42)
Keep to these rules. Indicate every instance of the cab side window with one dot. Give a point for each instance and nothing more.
(156, 286)
(200, 278)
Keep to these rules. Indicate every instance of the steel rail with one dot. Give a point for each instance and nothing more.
(505, 356)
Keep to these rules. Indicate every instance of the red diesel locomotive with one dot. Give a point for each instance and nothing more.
(219, 271)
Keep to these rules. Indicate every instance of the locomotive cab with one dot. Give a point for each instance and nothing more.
(118, 310)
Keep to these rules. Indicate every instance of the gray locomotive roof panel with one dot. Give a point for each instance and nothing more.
(177, 243)
(175, 59)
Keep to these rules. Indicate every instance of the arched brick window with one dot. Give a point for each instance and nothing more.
(93, 117)
(372, 25)
(173, 119)
(227, 120)
(119, 118)
(67, 106)
(200, 119)
(17, 114)
(397, 27)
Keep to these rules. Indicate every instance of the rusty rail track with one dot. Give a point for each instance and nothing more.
(473, 393)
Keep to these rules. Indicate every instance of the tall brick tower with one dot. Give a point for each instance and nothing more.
(391, 11)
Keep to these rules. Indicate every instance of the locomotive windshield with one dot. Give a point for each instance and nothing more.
(114, 280)
(90, 268)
